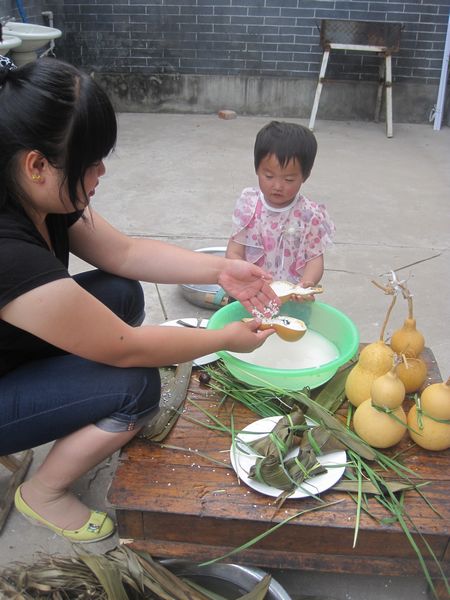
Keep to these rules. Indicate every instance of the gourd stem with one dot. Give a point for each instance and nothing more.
(388, 314)
(410, 308)
(408, 296)
(389, 290)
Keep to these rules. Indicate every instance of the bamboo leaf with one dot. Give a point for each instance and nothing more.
(108, 575)
(332, 395)
(321, 440)
(358, 499)
(367, 487)
(281, 437)
(259, 592)
(345, 435)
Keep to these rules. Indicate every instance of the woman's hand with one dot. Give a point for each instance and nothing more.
(245, 337)
(250, 285)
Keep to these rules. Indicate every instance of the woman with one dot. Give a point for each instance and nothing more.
(75, 365)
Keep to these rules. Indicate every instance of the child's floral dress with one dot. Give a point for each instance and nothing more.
(281, 240)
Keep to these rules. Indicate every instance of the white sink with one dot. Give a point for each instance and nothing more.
(32, 37)
(9, 42)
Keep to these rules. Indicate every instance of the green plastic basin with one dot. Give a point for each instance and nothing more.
(322, 318)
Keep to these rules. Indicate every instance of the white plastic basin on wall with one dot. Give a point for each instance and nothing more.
(8, 42)
(33, 37)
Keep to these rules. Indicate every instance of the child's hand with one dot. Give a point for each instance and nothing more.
(302, 298)
(245, 337)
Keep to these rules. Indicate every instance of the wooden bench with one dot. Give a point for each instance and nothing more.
(176, 503)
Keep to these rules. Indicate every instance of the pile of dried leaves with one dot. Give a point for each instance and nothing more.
(119, 574)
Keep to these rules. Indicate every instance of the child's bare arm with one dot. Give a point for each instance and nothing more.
(313, 272)
(311, 276)
(235, 250)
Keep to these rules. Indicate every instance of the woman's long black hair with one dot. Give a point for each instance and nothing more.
(52, 107)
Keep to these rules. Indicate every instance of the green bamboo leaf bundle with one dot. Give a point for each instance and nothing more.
(286, 475)
(282, 437)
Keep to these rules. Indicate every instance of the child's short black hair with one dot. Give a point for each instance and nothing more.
(286, 141)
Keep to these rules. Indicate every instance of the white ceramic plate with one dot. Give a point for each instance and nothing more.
(241, 461)
(202, 360)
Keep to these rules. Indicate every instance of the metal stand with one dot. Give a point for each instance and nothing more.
(385, 81)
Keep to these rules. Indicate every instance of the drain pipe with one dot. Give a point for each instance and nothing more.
(22, 12)
(48, 15)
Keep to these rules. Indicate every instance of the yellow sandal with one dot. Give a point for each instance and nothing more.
(98, 527)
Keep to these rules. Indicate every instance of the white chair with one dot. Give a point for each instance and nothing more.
(361, 36)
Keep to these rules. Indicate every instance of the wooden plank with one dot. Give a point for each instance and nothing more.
(357, 47)
(18, 465)
(280, 559)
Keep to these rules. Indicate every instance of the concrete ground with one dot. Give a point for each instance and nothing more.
(176, 178)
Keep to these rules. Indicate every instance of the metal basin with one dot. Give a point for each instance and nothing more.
(229, 580)
(210, 296)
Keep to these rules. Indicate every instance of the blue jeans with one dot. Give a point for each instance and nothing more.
(56, 393)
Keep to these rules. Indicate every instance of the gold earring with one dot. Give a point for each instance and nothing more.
(35, 177)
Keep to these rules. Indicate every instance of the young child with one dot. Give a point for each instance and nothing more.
(274, 226)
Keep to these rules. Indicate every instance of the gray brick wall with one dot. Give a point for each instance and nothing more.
(246, 37)
(238, 37)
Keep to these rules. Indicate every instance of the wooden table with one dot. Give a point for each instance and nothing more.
(176, 503)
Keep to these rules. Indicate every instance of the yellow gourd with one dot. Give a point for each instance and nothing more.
(374, 360)
(388, 390)
(413, 373)
(376, 357)
(427, 427)
(427, 433)
(378, 428)
(407, 339)
(435, 400)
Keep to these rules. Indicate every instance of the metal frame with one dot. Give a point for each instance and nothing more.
(385, 81)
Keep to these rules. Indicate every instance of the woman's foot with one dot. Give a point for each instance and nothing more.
(60, 507)
(62, 512)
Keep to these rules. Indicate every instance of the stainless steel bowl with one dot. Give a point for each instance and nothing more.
(231, 581)
(210, 296)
